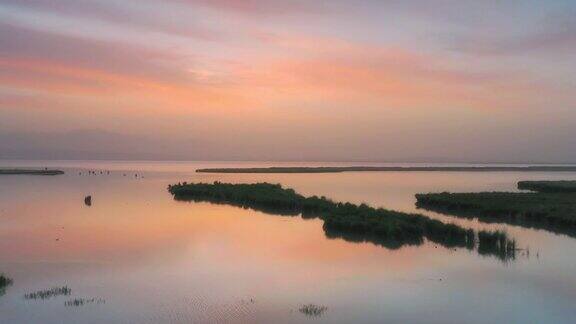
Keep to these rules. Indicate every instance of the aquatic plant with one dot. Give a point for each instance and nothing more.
(76, 302)
(548, 186)
(355, 223)
(312, 310)
(5, 282)
(496, 242)
(554, 212)
(49, 293)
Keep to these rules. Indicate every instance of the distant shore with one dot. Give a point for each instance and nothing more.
(30, 172)
(388, 169)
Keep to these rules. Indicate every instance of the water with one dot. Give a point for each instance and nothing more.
(138, 256)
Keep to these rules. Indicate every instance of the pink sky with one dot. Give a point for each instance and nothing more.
(288, 80)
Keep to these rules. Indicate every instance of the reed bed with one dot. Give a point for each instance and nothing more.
(562, 186)
(555, 212)
(77, 302)
(5, 282)
(49, 293)
(312, 310)
(356, 223)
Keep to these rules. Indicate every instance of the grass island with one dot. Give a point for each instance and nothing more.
(561, 186)
(357, 223)
(552, 207)
(4, 283)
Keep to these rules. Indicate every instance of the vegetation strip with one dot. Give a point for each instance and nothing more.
(312, 310)
(563, 186)
(388, 169)
(4, 281)
(30, 172)
(358, 223)
(552, 209)
(49, 293)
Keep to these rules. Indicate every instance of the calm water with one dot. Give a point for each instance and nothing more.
(146, 258)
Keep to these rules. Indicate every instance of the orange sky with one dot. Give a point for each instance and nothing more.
(342, 80)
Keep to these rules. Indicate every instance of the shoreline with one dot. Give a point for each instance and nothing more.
(390, 169)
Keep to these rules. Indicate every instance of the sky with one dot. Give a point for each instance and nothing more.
(339, 80)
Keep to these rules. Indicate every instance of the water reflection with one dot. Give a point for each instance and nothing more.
(155, 260)
(77, 302)
(496, 244)
(527, 220)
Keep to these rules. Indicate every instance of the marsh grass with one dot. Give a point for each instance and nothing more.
(5, 282)
(354, 223)
(555, 212)
(312, 310)
(549, 186)
(497, 242)
(49, 293)
(77, 302)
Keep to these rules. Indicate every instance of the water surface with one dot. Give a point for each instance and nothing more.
(145, 258)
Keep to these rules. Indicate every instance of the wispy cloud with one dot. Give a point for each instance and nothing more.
(142, 17)
(252, 73)
(558, 39)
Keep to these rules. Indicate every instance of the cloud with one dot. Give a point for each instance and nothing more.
(112, 12)
(553, 34)
(26, 43)
(336, 71)
(68, 65)
(261, 7)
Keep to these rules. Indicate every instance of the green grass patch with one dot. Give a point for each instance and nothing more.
(356, 223)
(5, 282)
(49, 293)
(563, 186)
(555, 212)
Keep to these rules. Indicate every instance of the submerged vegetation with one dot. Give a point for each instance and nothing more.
(386, 168)
(563, 186)
(357, 223)
(30, 172)
(552, 208)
